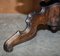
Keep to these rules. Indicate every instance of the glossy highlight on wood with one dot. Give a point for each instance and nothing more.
(48, 16)
(19, 6)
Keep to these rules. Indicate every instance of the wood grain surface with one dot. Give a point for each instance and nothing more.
(20, 6)
(7, 6)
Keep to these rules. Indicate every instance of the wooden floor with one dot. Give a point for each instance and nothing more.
(7, 6)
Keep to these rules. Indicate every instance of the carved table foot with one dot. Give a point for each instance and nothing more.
(50, 16)
(22, 36)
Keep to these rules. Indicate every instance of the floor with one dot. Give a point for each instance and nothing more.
(45, 42)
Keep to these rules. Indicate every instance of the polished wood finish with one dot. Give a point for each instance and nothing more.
(19, 6)
(51, 17)
(28, 6)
